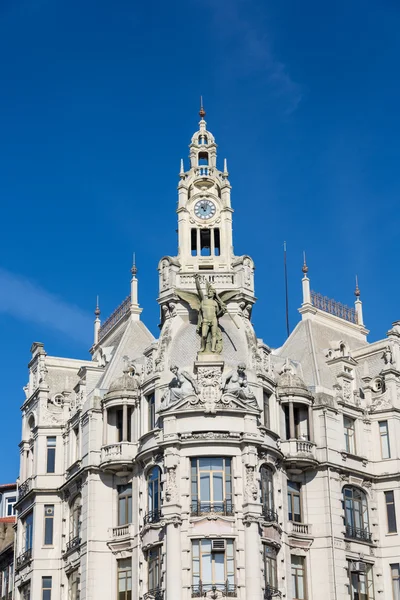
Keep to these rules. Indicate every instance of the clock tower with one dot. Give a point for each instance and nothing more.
(205, 227)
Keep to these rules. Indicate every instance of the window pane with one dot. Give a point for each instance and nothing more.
(205, 487)
(218, 491)
(219, 567)
(206, 569)
(217, 464)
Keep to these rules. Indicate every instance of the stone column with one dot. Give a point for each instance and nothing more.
(105, 426)
(125, 422)
(212, 241)
(291, 421)
(198, 249)
(173, 558)
(252, 560)
(310, 423)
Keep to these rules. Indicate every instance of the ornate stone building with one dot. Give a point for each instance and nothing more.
(203, 464)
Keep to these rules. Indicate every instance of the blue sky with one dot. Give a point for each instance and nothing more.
(98, 103)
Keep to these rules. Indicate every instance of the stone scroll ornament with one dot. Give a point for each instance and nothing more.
(210, 307)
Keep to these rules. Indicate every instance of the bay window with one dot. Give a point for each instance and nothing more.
(356, 514)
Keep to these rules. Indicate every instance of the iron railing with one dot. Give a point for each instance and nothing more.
(358, 534)
(25, 488)
(73, 543)
(153, 516)
(334, 308)
(202, 508)
(23, 559)
(227, 590)
(115, 317)
(269, 515)
(156, 594)
(271, 592)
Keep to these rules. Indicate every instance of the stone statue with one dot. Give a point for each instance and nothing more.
(387, 356)
(210, 307)
(180, 387)
(235, 384)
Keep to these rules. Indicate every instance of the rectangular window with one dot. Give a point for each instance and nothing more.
(384, 435)
(125, 579)
(270, 570)
(361, 581)
(151, 403)
(193, 241)
(213, 567)
(298, 564)
(77, 446)
(10, 501)
(51, 454)
(391, 512)
(46, 588)
(217, 242)
(294, 501)
(211, 481)
(266, 397)
(48, 524)
(349, 435)
(124, 504)
(120, 424)
(28, 532)
(205, 242)
(73, 585)
(154, 568)
(395, 570)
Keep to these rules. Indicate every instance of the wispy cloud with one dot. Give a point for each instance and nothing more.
(250, 48)
(25, 300)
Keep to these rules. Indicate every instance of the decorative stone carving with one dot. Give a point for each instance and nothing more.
(181, 386)
(251, 489)
(388, 356)
(234, 384)
(171, 489)
(346, 391)
(164, 274)
(165, 339)
(210, 380)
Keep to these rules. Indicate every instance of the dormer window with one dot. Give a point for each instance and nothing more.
(203, 159)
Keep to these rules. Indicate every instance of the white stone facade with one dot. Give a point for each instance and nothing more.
(243, 472)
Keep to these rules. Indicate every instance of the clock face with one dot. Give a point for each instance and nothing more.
(204, 209)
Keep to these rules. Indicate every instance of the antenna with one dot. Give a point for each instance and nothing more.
(286, 289)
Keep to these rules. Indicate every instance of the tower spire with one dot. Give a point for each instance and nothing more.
(135, 308)
(305, 282)
(358, 304)
(202, 112)
(97, 322)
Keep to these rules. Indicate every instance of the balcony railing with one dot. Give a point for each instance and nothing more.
(121, 531)
(153, 516)
(271, 592)
(24, 488)
(73, 544)
(305, 447)
(227, 590)
(156, 594)
(356, 533)
(271, 516)
(202, 508)
(23, 559)
(300, 528)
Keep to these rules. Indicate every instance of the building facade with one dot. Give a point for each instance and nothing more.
(203, 464)
(8, 499)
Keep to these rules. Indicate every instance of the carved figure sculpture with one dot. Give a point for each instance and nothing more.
(181, 386)
(235, 384)
(210, 307)
(387, 356)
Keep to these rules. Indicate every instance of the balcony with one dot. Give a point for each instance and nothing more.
(300, 529)
(122, 531)
(271, 592)
(23, 559)
(25, 488)
(152, 517)
(72, 545)
(224, 508)
(156, 594)
(118, 457)
(227, 590)
(355, 533)
(269, 515)
(299, 454)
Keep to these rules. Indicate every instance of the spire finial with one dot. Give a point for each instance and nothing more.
(202, 112)
(97, 311)
(357, 292)
(304, 268)
(134, 269)
(182, 169)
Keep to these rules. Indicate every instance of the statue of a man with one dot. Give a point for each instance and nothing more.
(211, 307)
(181, 386)
(235, 384)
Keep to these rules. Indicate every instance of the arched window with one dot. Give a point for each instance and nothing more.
(75, 518)
(203, 159)
(356, 513)
(267, 493)
(202, 140)
(153, 495)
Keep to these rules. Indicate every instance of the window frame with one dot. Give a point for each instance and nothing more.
(48, 523)
(27, 535)
(358, 509)
(291, 495)
(267, 487)
(125, 493)
(151, 411)
(154, 568)
(386, 436)
(392, 504)
(10, 502)
(198, 564)
(127, 572)
(266, 409)
(197, 474)
(395, 580)
(270, 565)
(154, 488)
(51, 454)
(368, 582)
(75, 512)
(74, 581)
(47, 588)
(303, 569)
(350, 435)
